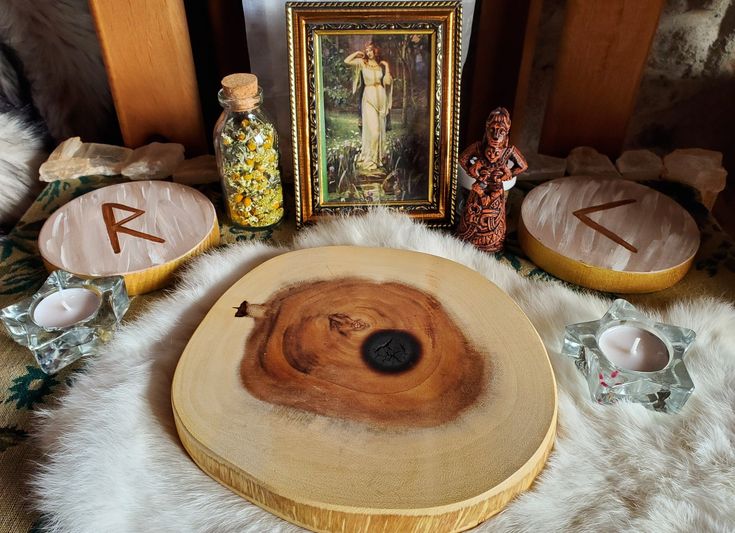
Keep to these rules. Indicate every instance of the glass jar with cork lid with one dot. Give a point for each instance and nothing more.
(246, 148)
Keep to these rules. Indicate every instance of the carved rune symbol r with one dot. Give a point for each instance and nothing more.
(114, 227)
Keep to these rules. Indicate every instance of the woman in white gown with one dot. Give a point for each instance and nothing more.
(373, 74)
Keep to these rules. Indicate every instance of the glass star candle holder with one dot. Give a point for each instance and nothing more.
(627, 356)
(69, 317)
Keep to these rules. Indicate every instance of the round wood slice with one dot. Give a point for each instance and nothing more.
(608, 234)
(362, 389)
(141, 230)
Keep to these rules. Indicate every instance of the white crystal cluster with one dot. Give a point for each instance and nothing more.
(698, 168)
(701, 169)
(74, 158)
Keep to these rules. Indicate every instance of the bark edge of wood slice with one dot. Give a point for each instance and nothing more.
(607, 234)
(141, 230)
(332, 472)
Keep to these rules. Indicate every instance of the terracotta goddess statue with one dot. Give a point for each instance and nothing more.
(489, 162)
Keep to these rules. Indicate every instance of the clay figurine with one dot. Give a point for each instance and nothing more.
(489, 162)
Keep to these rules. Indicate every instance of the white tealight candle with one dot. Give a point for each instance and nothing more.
(634, 348)
(66, 307)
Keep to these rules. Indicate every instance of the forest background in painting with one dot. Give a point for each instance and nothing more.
(403, 173)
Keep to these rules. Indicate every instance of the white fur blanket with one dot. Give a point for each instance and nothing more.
(113, 461)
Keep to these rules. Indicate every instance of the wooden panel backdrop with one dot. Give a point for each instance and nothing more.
(499, 61)
(603, 53)
(145, 45)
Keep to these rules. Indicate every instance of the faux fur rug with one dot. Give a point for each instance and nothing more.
(113, 461)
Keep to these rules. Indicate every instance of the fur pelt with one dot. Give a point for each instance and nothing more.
(21, 153)
(53, 85)
(60, 55)
(113, 462)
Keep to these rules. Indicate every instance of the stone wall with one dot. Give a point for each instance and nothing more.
(687, 95)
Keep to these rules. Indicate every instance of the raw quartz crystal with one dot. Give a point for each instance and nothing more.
(639, 165)
(587, 161)
(153, 161)
(701, 169)
(543, 167)
(74, 158)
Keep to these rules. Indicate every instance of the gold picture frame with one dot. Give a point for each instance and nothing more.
(374, 90)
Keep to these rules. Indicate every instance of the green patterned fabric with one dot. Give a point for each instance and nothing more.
(24, 388)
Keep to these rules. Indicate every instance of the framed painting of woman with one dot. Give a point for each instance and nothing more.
(375, 106)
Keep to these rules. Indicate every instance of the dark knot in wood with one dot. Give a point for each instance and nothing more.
(344, 324)
(333, 349)
(250, 310)
(391, 350)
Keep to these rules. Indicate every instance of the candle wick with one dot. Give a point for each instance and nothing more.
(65, 305)
(634, 349)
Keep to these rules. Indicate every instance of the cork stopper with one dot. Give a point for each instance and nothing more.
(240, 86)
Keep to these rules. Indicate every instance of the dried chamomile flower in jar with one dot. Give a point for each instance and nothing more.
(246, 146)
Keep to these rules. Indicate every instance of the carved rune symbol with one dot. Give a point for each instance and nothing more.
(114, 227)
(581, 214)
